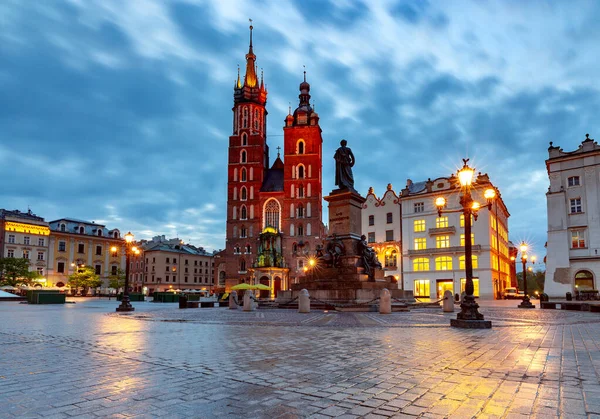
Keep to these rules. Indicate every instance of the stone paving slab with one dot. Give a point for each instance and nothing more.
(85, 361)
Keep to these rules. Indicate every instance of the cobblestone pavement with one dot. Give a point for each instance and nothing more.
(83, 360)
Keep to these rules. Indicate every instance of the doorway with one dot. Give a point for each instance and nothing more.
(444, 285)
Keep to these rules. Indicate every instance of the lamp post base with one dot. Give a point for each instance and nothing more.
(125, 306)
(526, 303)
(471, 324)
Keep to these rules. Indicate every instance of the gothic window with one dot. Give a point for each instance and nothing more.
(300, 147)
(245, 118)
(248, 249)
(300, 230)
(243, 213)
(256, 119)
(243, 157)
(300, 191)
(243, 232)
(243, 174)
(272, 214)
(300, 171)
(243, 193)
(295, 247)
(244, 139)
(242, 265)
(300, 211)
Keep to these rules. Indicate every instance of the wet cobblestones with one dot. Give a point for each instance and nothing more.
(85, 361)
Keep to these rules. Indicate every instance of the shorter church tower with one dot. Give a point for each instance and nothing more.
(302, 204)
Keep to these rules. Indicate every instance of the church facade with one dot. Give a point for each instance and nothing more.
(274, 211)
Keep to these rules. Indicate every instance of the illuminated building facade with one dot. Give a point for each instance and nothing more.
(381, 223)
(25, 235)
(78, 242)
(573, 202)
(273, 211)
(171, 264)
(432, 247)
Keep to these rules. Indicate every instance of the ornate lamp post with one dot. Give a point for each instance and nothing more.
(469, 317)
(526, 303)
(129, 249)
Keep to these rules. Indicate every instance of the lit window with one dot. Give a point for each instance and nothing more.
(577, 239)
(420, 243)
(462, 239)
(419, 206)
(391, 259)
(494, 241)
(576, 206)
(421, 288)
(462, 220)
(493, 222)
(371, 237)
(421, 264)
(419, 226)
(474, 261)
(441, 222)
(463, 282)
(495, 262)
(442, 242)
(573, 181)
(443, 263)
(584, 280)
(371, 220)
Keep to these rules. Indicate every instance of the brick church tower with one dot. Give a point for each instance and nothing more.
(273, 212)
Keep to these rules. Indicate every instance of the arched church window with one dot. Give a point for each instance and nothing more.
(242, 265)
(300, 191)
(244, 139)
(272, 214)
(300, 211)
(243, 176)
(243, 156)
(300, 147)
(295, 247)
(256, 119)
(300, 171)
(243, 213)
(245, 118)
(248, 249)
(243, 193)
(300, 230)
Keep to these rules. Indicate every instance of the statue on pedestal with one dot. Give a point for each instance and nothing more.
(368, 256)
(335, 249)
(344, 161)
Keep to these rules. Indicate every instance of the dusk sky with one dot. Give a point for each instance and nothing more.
(120, 111)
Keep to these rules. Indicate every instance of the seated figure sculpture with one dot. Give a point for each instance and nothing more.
(369, 259)
(334, 250)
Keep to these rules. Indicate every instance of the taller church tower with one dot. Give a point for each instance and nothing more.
(247, 165)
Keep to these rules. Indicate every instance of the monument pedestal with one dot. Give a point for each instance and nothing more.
(345, 283)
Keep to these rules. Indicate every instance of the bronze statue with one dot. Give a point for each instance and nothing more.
(344, 161)
(369, 259)
(335, 249)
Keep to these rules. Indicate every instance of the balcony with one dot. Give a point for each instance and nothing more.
(442, 230)
(435, 251)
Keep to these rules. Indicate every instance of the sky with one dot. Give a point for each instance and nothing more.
(120, 112)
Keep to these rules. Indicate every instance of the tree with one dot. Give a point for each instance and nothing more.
(15, 271)
(85, 277)
(117, 280)
(535, 281)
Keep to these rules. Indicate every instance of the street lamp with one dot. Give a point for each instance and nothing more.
(469, 317)
(129, 250)
(526, 303)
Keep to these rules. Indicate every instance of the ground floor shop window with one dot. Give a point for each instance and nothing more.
(422, 288)
(584, 280)
(463, 281)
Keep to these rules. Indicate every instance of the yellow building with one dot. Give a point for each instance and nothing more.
(77, 242)
(25, 235)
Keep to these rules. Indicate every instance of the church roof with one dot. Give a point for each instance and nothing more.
(277, 164)
(273, 180)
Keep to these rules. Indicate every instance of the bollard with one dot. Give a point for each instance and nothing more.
(304, 302)
(385, 302)
(248, 303)
(183, 301)
(232, 300)
(448, 302)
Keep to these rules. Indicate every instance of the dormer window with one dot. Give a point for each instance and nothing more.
(63, 227)
(99, 232)
(81, 230)
(116, 234)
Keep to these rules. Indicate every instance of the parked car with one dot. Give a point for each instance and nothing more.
(513, 293)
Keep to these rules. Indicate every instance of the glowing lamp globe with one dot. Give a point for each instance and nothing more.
(465, 176)
(475, 206)
(129, 237)
(523, 247)
(440, 202)
(489, 194)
